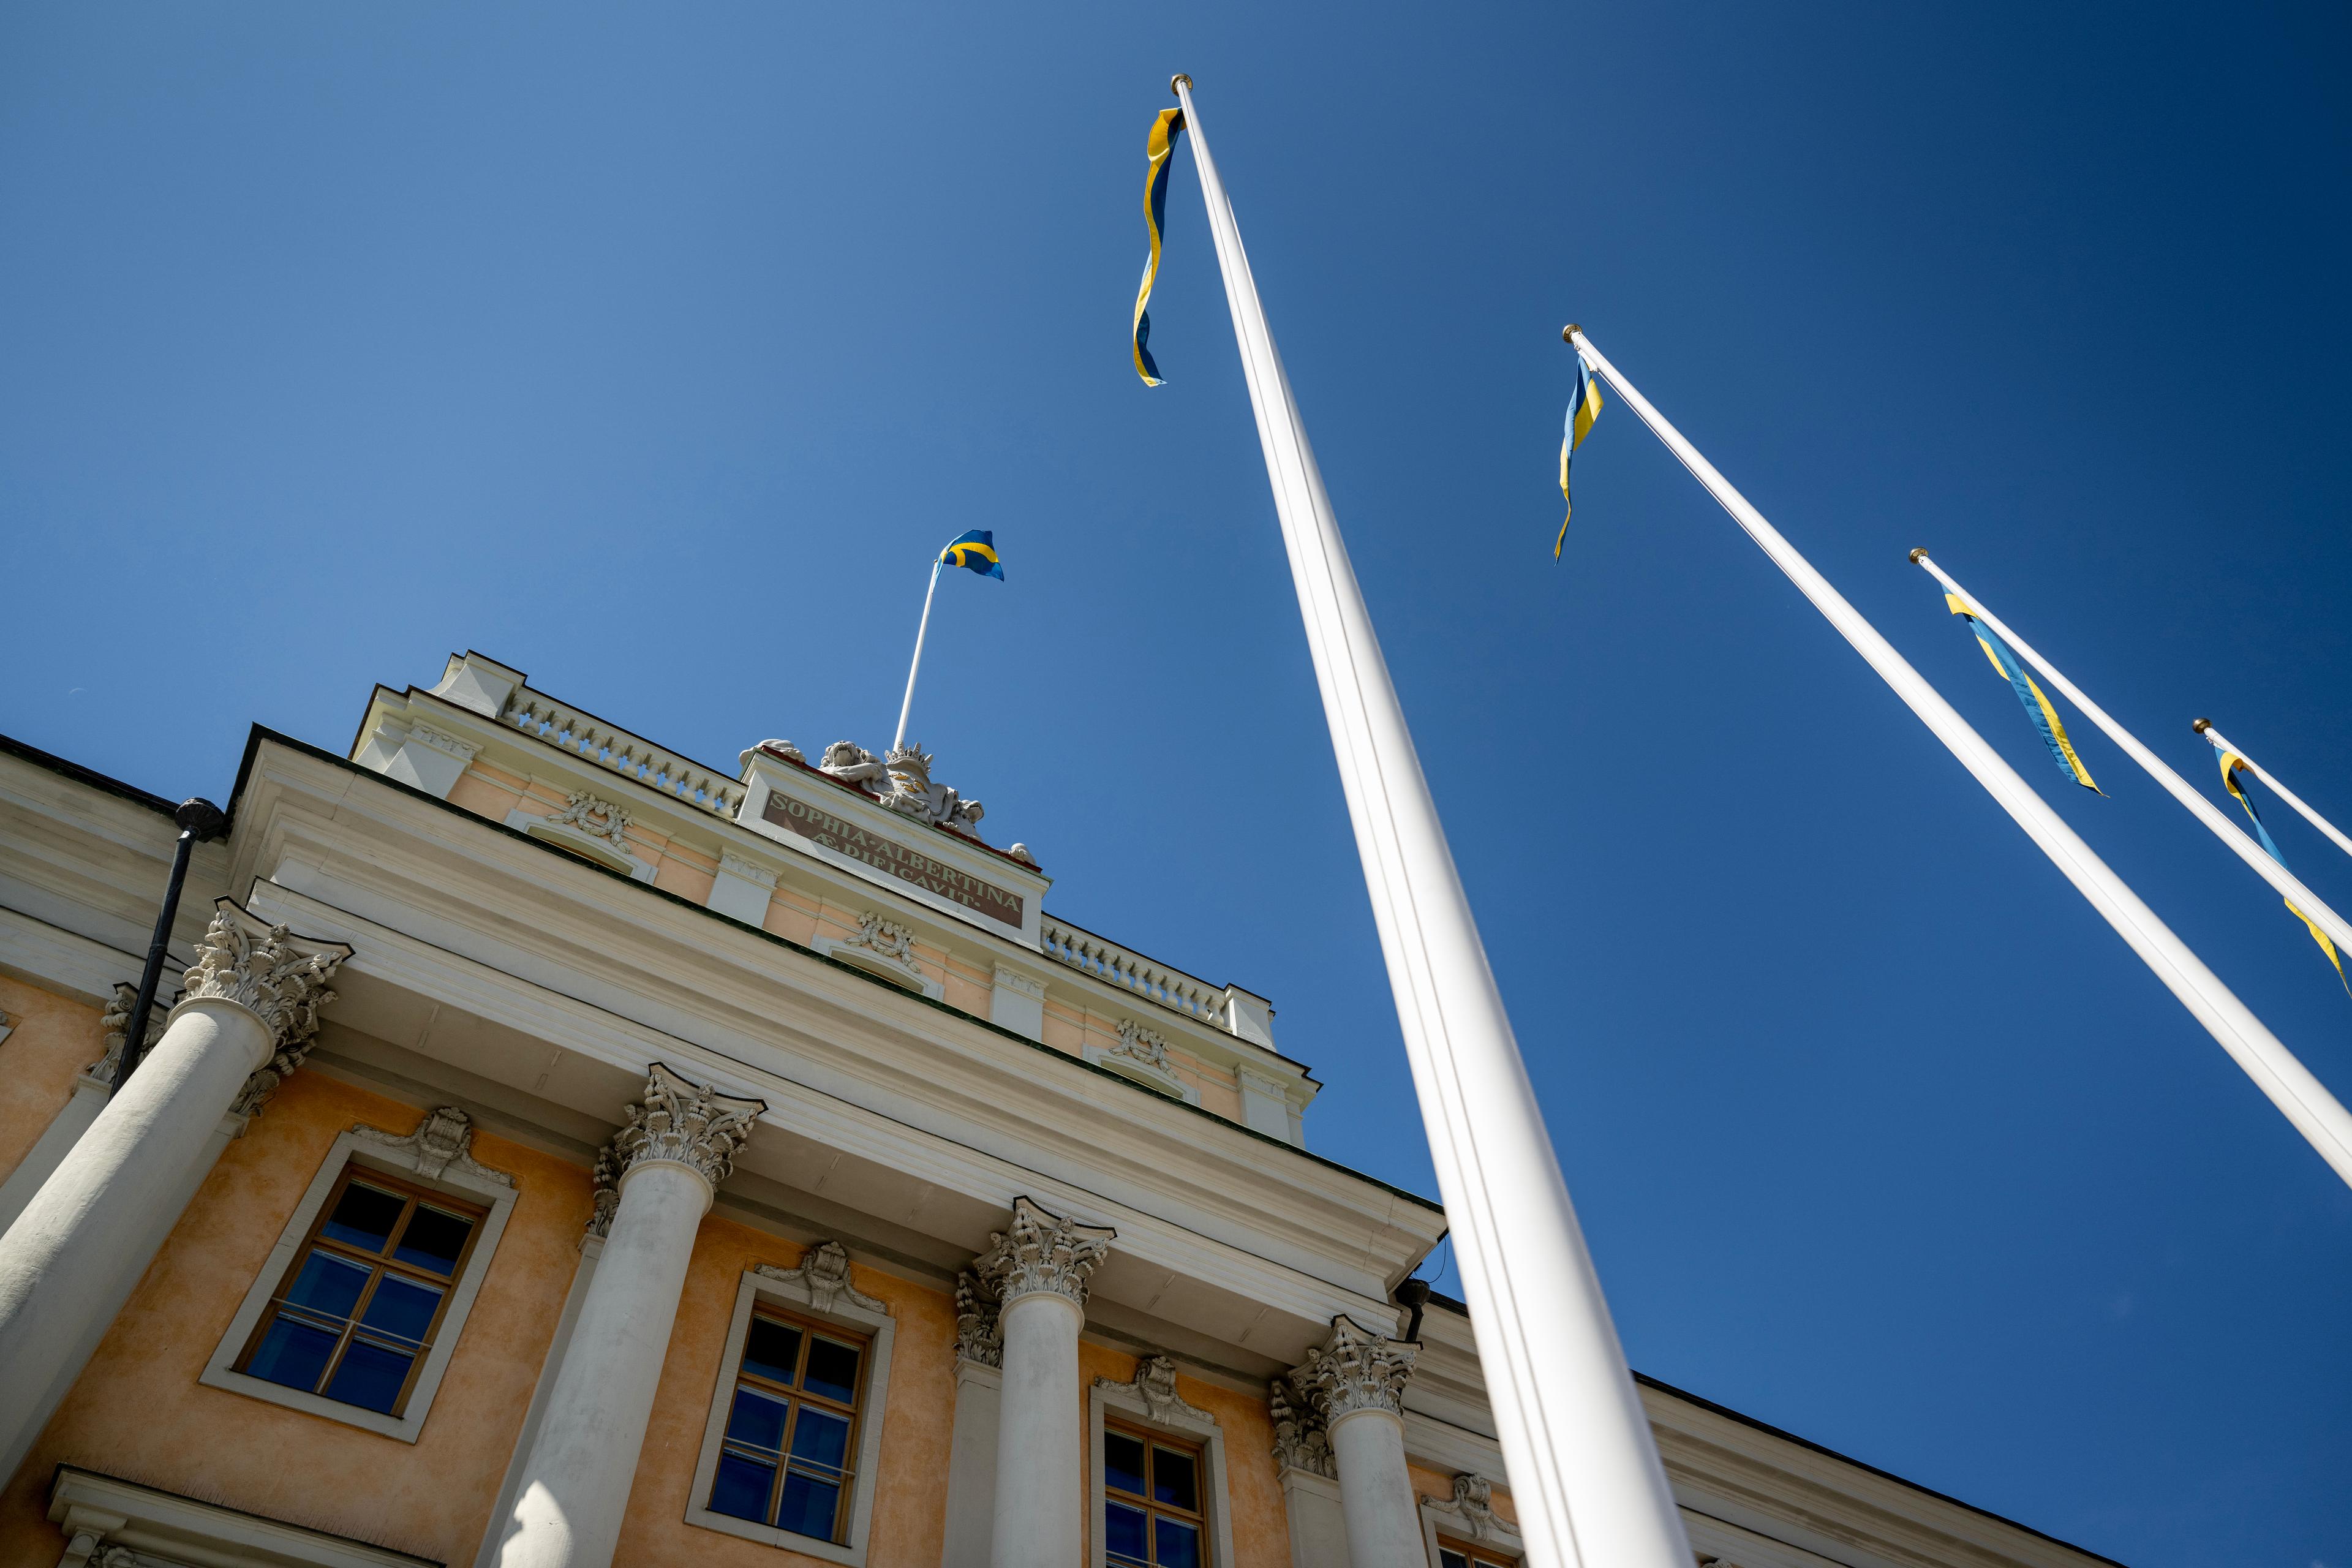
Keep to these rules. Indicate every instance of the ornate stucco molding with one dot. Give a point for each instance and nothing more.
(821, 1279)
(279, 977)
(1041, 1252)
(1142, 1045)
(979, 1340)
(594, 817)
(441, 741)
(751, 871)
(1155, 1383)
(681, 1121)
(1472, 1511)
(444, 1139)
(1355, 1369)
(1301, 1442)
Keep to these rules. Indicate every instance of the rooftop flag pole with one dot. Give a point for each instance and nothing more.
(2287, 885)
(2304, 1100)
(1584, 1472)
(921, 628)
(2222, 743)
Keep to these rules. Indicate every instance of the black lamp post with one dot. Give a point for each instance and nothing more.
(198, 820)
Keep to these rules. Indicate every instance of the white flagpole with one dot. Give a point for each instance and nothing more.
(1583, 1470)
(921, 628)
(2280, 878)
(2302, 1098)
(2205, 728)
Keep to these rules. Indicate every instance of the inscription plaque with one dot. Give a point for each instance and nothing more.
(821, 826)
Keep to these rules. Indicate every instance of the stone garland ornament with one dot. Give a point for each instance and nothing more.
(886, 939)
(443, 1138)
(822, 1278)
(1042, 1252)
(596, 818)
(980, 1339)
(1141, 1045)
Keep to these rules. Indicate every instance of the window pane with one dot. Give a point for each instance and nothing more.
(433, 1239)
(820, 1437)
(757, 1419)
(370, 1376)
(1178, 1545)
(809, 1506)
(742, 1488)
(1447, 1559)
(1123, 1529)
(1175, 1478)
(327, 1285)
(1123, 1465)
(292, 1353)
(364, 1216)
(771, 1350)
(832, 1370)
(402, 1308)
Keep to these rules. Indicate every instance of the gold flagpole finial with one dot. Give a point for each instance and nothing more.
(2201, 725)
(1918, 554)
(1568, 333)
(1179, 80)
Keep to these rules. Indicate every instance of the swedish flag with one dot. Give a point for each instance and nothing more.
(1582, 410)
(2037, 707)
(976, 552)
(2232, 763)
(1159, 147)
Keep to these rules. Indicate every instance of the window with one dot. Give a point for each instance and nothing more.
(1152, 1514)
(355, 1315)
(1453, 1553)
(793, 1440)
(792, 1427)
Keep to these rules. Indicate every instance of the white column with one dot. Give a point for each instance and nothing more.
(1356, 1384)
(1039, 1270)
(661, 1169)
(253, 990)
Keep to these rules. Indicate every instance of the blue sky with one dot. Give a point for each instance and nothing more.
(654, 351)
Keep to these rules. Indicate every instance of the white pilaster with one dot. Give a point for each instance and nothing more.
(662, 1168)
(741, 888)
(254, 992)
(1356, 1384)
(1264, 1107)
(431, 760)
(1018, 1002)
(1037, 1270)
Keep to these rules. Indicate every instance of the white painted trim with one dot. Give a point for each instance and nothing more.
(354, 1148)
(95, 1510)
(878, 1329)
(1200, 1428)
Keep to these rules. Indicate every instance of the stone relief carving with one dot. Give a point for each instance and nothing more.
(1355, 1369)
(902, 782)
(1042, 1252)
(1155, 1383)
(1141, 1045)
(1473, 1505)
(1301, 1442)
(822, 1278)
(681, 1120)
(604, 1186)
(886, 939)
(279, 978)
(596, 818)
(979, 1338)
(443, 1138)
(781, 748)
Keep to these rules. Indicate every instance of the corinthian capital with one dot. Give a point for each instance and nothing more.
(1042, 1252)
(1355, 1369)
(279, 978)
(681, 1121)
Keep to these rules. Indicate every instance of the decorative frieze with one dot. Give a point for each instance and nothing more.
(1355, 1369)
(1301, 1441)
(681, 1121)
(821, 1279)
(279, 978)
(444, 1139)
(1043, 1253)
(979, 1337)
(1155, 1383)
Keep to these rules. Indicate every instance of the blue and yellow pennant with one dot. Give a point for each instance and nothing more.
(1159, 147)
(1582, 410)
(2037, 707)
(2231, 764)
(975, 552)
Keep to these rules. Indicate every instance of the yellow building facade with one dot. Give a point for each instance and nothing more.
(550, 1151)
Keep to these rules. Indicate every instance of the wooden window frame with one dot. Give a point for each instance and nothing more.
(1195, 1448)
(1474, 1554)
(796, 1396)
(378, 1264)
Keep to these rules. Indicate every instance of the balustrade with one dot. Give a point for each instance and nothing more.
(631, 756)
